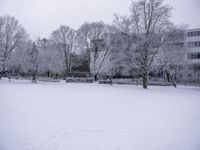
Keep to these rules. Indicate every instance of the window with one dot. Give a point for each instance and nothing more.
(198, 55)
(194, 55)
(198, 33)
(180, 76)
(194, 44)
(195, 33)
(189, 76)
(191, 56)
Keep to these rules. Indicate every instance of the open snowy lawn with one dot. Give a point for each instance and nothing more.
(60, 116)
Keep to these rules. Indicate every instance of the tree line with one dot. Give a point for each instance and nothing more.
(132, 44)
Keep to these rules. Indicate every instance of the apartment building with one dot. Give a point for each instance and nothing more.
(187, 65)
(193, 53)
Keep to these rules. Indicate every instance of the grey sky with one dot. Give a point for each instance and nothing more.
(41, 17)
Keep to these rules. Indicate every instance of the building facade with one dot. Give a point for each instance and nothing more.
(187, 65)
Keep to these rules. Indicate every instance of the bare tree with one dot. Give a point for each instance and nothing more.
(11, 35)
(150, 24)
(64, 39)
(122, 23)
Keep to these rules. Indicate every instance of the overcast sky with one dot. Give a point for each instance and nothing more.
(41, 17)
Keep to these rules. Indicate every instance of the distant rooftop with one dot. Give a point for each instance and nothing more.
(196, 27)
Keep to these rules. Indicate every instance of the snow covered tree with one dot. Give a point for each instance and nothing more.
(51, 59)
(114, 59)
(11, 35)
(124, 46)
(64, 40)
(150, 25)
(31, 60)
(15, 64)
(90, 39)
(122, 23)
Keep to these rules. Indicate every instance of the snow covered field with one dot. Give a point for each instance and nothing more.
(60, 116)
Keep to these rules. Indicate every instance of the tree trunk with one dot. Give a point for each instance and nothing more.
(110, 78)
(95, 77)
(132, 78)
(2, 72)
(34, 78)
(67, 75)
(3, 69)
(9, 76)
(145, 71)
(145, 81)
(48, 74)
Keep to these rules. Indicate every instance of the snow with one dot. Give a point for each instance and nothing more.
(69, 116)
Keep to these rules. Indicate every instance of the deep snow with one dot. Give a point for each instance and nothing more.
(67, 116)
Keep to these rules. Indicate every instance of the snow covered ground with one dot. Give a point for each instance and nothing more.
(60, 116)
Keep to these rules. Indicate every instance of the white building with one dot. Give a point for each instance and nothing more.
(187, 65)
(193, 53)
